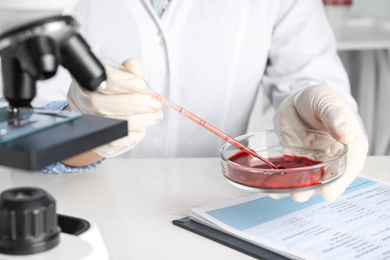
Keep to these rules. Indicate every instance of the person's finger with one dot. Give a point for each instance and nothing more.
(123, 104)
(355, 162)
(119, 81)
(135, 66)
(304, 195)
(141, 122)
(121, 145)
(277, 196)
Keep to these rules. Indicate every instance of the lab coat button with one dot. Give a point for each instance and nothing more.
(158, 38)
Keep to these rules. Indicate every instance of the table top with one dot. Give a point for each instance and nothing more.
(133, 202)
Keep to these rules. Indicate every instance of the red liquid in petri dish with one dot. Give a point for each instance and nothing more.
(270, 180)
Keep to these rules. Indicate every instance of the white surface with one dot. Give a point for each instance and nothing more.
(133, 202)
(71, 247)
(87, 246)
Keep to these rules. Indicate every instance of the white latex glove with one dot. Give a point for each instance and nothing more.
(125, 97)
(320, 107)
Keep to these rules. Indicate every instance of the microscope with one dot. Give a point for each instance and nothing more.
(35, 39)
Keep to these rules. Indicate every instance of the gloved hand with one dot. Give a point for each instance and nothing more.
(322, 108)
(125, 97)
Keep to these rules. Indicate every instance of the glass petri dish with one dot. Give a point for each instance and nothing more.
(312, 158)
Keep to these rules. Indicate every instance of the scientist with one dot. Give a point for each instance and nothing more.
(210, 57)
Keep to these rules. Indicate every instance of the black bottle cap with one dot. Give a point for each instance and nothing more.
(28, 221)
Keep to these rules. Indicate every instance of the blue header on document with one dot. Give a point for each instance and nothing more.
(252, 213)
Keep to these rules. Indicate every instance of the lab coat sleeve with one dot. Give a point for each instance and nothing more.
(303, 53)
(59, 167)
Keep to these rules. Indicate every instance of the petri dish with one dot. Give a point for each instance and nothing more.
(309, 159)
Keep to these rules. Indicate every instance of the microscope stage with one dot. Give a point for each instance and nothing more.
(57, 141)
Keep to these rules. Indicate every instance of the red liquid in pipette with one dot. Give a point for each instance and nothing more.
(211, 128)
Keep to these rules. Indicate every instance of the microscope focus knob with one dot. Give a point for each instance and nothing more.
(28, 221)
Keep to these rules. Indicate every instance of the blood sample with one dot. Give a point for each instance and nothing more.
(290, 178)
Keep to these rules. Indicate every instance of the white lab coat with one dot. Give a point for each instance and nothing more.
(209, 56)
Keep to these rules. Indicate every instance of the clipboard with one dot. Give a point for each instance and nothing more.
(227, 240)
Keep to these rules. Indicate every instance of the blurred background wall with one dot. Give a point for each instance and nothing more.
(364, 47)
(362, 29)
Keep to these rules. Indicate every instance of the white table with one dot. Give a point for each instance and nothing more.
(133, 202)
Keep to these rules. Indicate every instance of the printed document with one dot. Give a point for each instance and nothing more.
(355, 226)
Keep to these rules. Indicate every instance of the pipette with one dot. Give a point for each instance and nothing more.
(209, 127)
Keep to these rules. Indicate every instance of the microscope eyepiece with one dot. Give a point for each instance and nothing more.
(33, 52)
(81, 63)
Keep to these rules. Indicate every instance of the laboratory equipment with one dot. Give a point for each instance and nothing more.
(211, 128)
(30, 228)
(35, 39)
(337, 12)
(312, 159)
